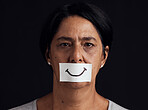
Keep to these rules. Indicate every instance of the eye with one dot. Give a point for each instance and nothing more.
(89, 45)
(65, 45)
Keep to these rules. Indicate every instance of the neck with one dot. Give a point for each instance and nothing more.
(73, 96)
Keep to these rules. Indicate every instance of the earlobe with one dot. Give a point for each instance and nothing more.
(48, 60)
(49, 63)
(101, 65)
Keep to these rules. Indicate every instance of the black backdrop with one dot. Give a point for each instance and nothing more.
(25, 76)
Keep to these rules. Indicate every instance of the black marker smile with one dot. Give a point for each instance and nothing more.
(76, 75)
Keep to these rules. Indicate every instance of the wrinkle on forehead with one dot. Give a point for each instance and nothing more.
(77, 26)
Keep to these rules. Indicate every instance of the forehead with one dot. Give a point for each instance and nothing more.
(76, 26)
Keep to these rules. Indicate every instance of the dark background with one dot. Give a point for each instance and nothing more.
(25, 76)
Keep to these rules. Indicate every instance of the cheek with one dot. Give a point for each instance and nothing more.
(93, 56)
(95, 68)
(95, 59)
(56, 58)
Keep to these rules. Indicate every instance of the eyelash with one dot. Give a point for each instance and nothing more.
(89, 45)
(65, 45)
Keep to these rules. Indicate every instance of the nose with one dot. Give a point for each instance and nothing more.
(76, 55)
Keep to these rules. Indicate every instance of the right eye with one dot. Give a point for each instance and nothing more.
(65, 45)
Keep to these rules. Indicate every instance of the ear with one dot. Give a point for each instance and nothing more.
(104, 57)
(47, 56)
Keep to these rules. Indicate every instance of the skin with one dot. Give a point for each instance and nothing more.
(76, 41)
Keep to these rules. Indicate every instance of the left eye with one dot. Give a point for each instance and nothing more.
(88, 45)
(65, 44)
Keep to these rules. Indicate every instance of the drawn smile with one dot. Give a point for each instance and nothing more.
(76, 75)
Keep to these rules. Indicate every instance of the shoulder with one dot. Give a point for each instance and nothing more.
(28, 106)
(114, 106)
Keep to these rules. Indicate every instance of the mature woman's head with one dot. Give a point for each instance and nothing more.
(77, 33)
(87, 11)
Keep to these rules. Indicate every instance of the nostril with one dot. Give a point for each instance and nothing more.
(73, 61)
(76, 61)
(80, 59)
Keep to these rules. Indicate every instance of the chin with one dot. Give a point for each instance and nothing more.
(75, 85)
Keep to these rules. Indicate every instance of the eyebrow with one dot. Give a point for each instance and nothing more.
(89, 38)
(65, 38)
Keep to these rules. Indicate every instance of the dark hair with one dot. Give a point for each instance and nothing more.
(88, 11)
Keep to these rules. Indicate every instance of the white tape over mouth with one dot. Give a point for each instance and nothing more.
(75, 72)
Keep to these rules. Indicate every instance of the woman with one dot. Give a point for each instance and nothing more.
(77, 33)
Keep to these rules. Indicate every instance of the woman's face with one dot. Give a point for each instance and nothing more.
(76, 41)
